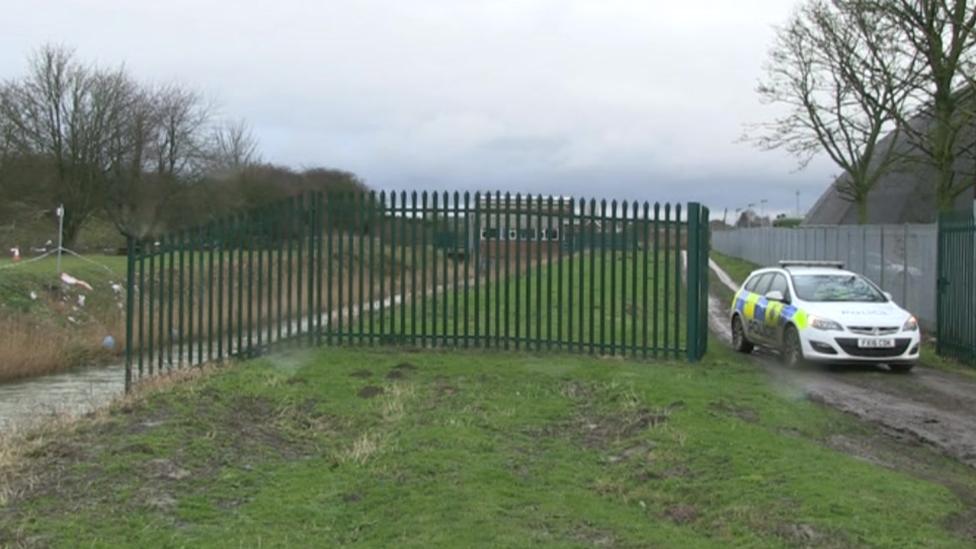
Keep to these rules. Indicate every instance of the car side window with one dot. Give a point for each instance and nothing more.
(780, 285)
(763, 285)
(751, 283)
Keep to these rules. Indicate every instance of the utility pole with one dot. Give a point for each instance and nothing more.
(60, 235)
(798, 203)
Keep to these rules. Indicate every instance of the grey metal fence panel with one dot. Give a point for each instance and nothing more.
(902, 259)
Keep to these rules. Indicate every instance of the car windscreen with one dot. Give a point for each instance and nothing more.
(836, 287)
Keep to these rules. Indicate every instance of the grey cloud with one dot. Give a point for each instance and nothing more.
(641, 100)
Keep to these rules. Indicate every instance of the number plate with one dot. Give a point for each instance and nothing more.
(876, 343)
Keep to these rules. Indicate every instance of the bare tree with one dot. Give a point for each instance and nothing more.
(179, 144)
(164, 148)
(75, 116)
(233, 147)
(836, 74)
(942, 33)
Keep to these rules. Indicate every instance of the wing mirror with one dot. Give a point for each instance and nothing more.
(775, 295)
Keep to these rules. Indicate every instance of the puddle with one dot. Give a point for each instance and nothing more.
(25, 404)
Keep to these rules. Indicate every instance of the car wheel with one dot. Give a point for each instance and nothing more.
(792, 351)
(739, 341)
(900, 368)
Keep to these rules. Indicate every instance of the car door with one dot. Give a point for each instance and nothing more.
(754, 315)
(774, 328)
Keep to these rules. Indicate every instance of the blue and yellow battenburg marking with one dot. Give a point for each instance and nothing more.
(754, 306)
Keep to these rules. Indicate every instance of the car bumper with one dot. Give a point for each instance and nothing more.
(843, 348)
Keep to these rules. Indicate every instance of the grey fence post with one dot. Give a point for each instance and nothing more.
(904, 271)
(881, 267)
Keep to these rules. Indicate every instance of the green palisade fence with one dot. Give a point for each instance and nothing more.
(494, 270)
(956, 305)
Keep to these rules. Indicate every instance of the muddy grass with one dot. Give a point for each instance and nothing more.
(463, 449)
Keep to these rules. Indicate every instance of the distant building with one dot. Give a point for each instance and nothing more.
(750, 218)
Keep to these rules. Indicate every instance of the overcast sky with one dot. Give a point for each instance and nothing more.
(641, 99)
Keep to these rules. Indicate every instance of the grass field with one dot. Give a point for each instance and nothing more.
(600, 306)
(383, 448)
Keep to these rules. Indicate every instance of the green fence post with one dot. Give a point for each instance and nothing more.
(370, 230)
(210, 290)
(655, 317)
(258, 241)
(623, 278)
(523, 247)
(518, 271)
(308, 216)
(469, 242)
(693, 256)
(475, 241)
(457, 263)
(613, 279)
(403, 271)
(644, 279)
(568, 237)
(635, 249)
(508, 260)
(502, 237)
(130, 280)
(162, 304)
(667, 276)
(547, 238)
(590, 280)
(382, 228)
(432, 289)
(445, 257)
(536, 232)
(200, 242)
(413, 270)
(358, 228)
(269, 250)
(677, 281)
(170, 299)
(142, 304)
(221, 287)
(240, 240)
(423, 270)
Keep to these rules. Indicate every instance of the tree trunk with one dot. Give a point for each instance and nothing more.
(862, 210)
(72, 227)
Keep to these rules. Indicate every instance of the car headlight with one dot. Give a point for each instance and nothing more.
(911, 325)
(826, 324)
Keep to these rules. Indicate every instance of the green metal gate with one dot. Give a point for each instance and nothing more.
(423, 269)
(956, 307)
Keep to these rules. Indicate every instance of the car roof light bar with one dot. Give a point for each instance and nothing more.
(804, 263)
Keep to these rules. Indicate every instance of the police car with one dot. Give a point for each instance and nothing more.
(817, 311)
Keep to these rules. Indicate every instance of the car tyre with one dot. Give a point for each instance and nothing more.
(739, 340)
(791, 353)
(900, 368)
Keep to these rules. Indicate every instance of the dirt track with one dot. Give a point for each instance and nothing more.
(930, 406)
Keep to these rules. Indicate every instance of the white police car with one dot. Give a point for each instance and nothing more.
(816, 311)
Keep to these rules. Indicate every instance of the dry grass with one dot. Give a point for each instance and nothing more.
(32, 348)
(362, 449)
